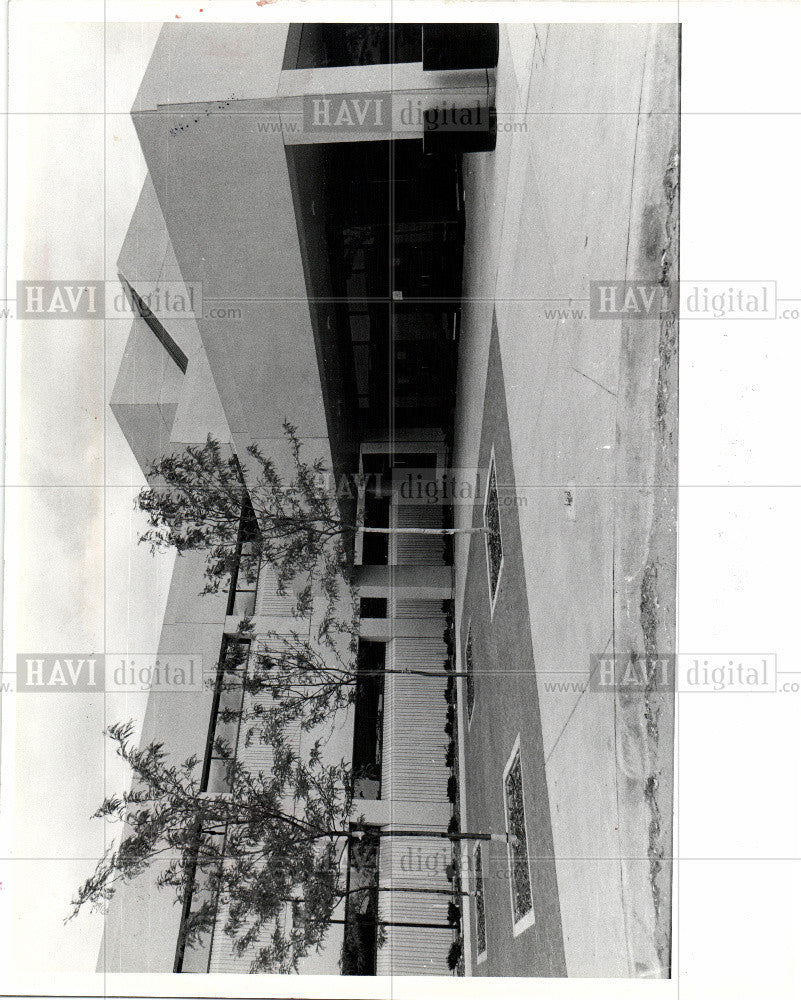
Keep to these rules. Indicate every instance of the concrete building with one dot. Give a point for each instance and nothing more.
(372, 253)
(306, 181)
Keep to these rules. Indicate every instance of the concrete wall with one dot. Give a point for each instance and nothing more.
(146, 394)
(224, 190)
(142, 923)
(212, 62)
(154, 402)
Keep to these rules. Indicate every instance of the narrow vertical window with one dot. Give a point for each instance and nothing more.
(360, 944)
(368, 721)
(227, 708)
(373, 607)
(156, 326)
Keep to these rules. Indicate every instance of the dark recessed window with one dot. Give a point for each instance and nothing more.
(318, 45)
(368, 720)
(245, 571)
(373, 607)
(375, 546)
(360, 944)
(227, 706)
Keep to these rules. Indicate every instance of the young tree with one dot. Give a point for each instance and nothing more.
(198, 500)
(308, 679)
(276, 837)
(270, 840)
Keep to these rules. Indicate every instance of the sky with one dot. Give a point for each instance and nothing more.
(84, 584)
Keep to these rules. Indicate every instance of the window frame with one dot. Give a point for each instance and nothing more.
(370, 686)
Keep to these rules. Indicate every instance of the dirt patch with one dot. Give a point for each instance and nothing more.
(645, 601)
(658, 591)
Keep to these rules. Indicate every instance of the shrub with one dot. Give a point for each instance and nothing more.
(447, 638)
(450, 754)
(450, 871)
(452, 788)
(447, 550)
(449, 728)
(453, 824)
(454, 954)
(454, 915)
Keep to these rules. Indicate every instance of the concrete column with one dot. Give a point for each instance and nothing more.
(416, 582)
(404, 814)
(403, 628)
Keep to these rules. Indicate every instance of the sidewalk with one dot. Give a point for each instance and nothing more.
(580, 196)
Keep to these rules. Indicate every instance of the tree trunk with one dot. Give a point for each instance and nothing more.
(396, 888)
(400, 923)
(442, 674)
(427, 531)
(357, 834)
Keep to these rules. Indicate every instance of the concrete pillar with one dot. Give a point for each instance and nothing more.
(383, 629)
(416, 582)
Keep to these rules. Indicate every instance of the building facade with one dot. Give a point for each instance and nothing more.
(349, 252)
(305, 197)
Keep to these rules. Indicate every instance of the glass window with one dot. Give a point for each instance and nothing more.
(157, 327)
(229, 712)
(218, 777)
(360, 945)
(375, 546)
(373, 607)
(368, 722)
(197, 950)
(244, 603)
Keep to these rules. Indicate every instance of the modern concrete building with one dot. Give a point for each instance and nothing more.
(305, 181)
(360, 258)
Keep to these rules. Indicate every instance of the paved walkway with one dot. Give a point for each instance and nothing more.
(579, 194)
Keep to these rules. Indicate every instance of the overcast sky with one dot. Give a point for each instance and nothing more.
(83, 585)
